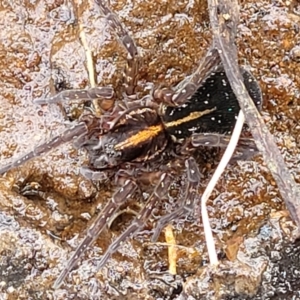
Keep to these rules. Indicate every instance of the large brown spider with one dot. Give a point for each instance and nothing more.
(146, 140)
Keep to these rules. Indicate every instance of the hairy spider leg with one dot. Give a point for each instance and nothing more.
(97, 227)
(93, 175)
(139, 222)
(132, 67)
(85, 95)
(189, 202)
(67, 136)
(188, 87)
(245, 145)
(207, 65)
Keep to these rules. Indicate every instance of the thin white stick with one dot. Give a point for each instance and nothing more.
(88, 55)
(212, 183)
(90, 66)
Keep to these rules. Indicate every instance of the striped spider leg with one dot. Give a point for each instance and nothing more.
(68, 135)
(132, 66)
(85, 95)
(118, 198)
(190, 200)
(159, 193)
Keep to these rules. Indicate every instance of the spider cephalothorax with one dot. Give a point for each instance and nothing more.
(140, 135)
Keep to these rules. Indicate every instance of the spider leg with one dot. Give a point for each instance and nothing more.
(96, 228)
(128, 43)
(64, 137)
(187, 88)
(190, 198)
(246, 146)
(85, 95)
(139, 222)
(93, 175)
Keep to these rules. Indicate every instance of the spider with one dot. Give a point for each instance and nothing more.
(147, 139)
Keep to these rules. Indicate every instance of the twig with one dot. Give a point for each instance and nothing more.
(172, 251)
